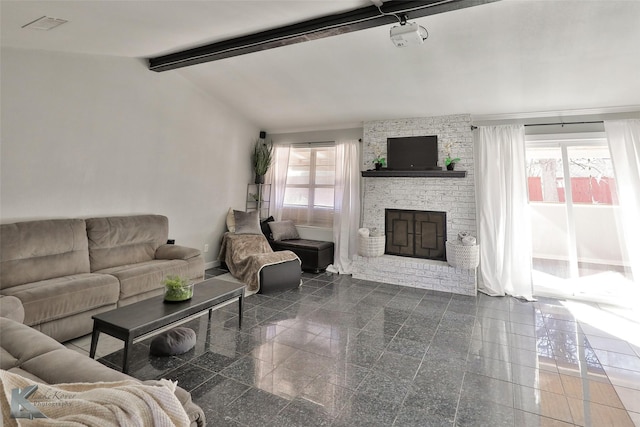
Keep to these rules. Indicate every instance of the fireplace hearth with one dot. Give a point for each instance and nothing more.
(416, 234)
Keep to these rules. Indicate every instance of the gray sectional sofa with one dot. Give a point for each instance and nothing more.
(66, 270)
(33, 355)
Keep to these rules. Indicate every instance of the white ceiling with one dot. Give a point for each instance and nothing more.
(512, 56)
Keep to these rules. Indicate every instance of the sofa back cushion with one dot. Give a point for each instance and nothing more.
(39, 250)
(124, 240)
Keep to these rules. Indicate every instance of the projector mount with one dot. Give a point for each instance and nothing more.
(407, 33)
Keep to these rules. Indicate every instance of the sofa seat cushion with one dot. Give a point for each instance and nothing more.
(52, 299)
(21, 343)
(26, 350)
(146, 276)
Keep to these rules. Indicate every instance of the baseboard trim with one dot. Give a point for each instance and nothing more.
(211, 264)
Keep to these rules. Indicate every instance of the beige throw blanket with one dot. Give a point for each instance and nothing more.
(121, 403)
(246, 254)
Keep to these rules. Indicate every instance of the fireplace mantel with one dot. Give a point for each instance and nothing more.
(414, 174)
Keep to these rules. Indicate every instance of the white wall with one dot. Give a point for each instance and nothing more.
(87, 135)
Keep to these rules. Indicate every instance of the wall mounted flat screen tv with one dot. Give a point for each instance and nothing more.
(413, 153)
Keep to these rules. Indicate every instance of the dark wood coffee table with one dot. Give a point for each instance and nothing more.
(149, 317)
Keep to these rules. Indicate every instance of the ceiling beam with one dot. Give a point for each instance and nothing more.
(313, 29)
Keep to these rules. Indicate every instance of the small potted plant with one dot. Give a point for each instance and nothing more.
(177, 289)
(261, 159)
(450, 162)
(379, 162)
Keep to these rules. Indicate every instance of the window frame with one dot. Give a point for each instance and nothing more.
(564, 142)
(311, 186)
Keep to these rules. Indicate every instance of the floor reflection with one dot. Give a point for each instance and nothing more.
(346, 352)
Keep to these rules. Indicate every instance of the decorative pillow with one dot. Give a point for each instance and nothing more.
(264, 225)
(283, 230)
(247, 222)
(174, 341)
(231, 221)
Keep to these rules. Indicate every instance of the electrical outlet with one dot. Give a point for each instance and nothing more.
(206, 247)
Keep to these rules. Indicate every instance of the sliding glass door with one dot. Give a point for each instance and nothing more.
(574, 205)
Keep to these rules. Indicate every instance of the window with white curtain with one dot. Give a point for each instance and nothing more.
(309, 190)
(574, 205)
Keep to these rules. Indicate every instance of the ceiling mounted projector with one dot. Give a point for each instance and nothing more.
(408, 34)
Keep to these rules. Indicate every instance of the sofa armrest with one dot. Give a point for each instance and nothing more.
(11, 308)
(176, 252)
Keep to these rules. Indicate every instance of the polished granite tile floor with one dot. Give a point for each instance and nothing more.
(345, 352)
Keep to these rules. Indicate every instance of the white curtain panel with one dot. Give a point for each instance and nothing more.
(346, 217)
(504, 227)
(278, 177)
(624, 145)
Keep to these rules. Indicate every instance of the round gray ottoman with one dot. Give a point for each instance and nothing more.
(172, 342)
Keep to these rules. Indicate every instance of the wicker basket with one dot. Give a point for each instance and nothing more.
(460, 256)
(371, 246)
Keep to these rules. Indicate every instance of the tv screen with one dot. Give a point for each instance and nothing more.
(413, 153)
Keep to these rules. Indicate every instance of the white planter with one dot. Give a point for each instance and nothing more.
(461, 256)
(371, 246)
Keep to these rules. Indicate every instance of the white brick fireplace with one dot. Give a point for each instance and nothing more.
(455, 196)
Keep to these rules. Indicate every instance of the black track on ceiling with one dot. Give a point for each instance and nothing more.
(313, 29)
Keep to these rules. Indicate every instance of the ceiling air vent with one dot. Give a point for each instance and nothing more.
(44, 23)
